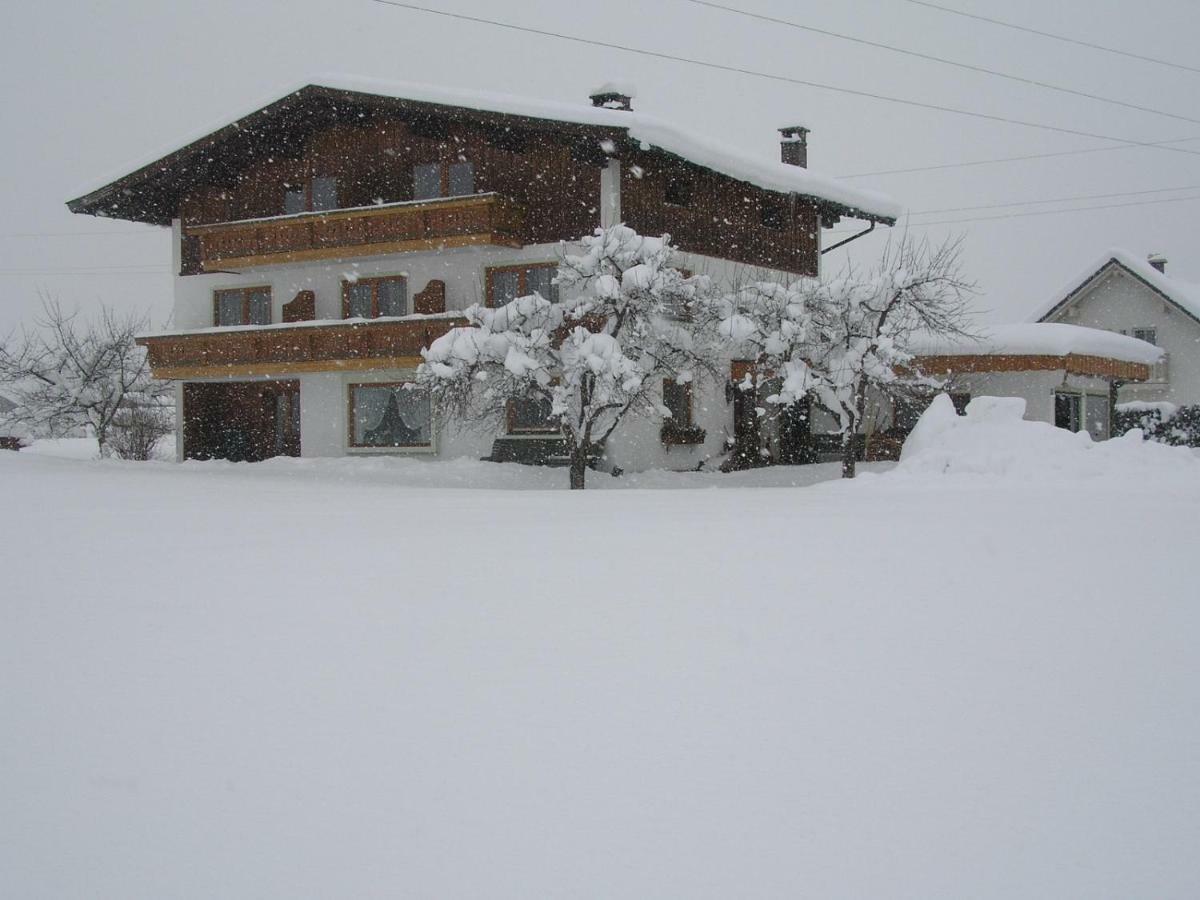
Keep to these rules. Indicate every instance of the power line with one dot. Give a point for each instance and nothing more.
(928, 212)
(1052, 212)
(1056, 37)
(781, 78)
(942, 60)
(1005, 159)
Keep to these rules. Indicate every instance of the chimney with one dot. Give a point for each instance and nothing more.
(793, 146)
(614, 96)
(1158, 261)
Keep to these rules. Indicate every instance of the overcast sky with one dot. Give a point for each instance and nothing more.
(90, 89)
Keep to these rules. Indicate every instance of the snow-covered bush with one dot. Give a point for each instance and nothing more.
(1164, 423)
(834, 339)
(590, 358)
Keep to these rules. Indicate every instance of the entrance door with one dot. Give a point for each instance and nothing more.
(241, 421)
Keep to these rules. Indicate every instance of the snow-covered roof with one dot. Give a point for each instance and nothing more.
(765, 173)
(1041, 339)
(1183, 294)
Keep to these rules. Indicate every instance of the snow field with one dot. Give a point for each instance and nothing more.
(321, 678)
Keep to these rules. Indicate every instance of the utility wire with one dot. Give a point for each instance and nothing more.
(1051, 212)
(1057, 37)
(782, 78)
(943, 61)
(1005, 159)
(1077, 199)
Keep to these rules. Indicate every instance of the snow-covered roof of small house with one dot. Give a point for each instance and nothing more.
(1041, 339)
(132, 194)
(1182, 294)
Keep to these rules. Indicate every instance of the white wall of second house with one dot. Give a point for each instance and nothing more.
(1117, 301)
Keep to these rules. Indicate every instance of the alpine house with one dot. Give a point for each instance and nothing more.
(322, 240)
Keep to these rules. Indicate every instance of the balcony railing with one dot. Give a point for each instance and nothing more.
(362, 231)
(322, 346)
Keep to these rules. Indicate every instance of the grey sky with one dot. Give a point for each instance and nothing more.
(90, 88)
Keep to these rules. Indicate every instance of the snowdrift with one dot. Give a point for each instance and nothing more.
(993, 439)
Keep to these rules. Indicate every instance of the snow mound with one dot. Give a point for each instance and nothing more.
(993, 439)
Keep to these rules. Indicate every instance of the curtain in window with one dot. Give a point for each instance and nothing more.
(324, 193)
(504, 287)
(260, 307)
(294, 201)
(462, 179)
(393, 299)
(427, 181)
(229, 308)
(1096, 413)
(358, 301)
(391, 416)
(538, 281)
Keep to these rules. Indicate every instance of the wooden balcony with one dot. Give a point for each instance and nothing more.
(278, 350)
(342, 233)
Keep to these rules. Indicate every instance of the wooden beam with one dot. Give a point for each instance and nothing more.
(273, 370)
(356, 250)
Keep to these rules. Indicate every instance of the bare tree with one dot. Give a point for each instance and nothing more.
(67, 373)
(835, 340)
(587, 360)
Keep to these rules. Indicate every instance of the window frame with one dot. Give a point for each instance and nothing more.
(374, 281)
(245, 292)
(674, 421)
(306, 184)
(522, 279)
(392, 382)
(511, 429)
(443, 168)
(1133, 333)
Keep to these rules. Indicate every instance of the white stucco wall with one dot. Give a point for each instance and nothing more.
(1119, 302)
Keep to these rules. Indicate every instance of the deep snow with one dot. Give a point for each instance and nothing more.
(317, 679)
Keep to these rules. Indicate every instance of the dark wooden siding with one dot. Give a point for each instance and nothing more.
(553, 176)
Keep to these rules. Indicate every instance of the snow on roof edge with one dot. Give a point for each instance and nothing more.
(774, 176)
(1041, 339)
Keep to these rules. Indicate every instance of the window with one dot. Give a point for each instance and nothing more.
(390, 416)
(531, 415)
(1075, 412)
(507, 283)
(242, 306)
(311, 195)
(678, 190)
(370, 298)
(461, 179)
(427, 181)
(907, 410)
(1149, 335)
(678, 399)
(1068, 411)
(433, 180)
(1095, 416)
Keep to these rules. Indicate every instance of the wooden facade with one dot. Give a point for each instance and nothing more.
(1072, 364)
(450, 222)
(267, 350)
(531, 186)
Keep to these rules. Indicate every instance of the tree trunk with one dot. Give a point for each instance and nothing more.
(848, 455)
(578, 466)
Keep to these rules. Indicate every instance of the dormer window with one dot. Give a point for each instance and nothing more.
(311, 195)
(433, 180)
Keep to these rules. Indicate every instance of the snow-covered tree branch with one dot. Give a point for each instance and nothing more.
(834, 340)
(67, 374)
(591, 358)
